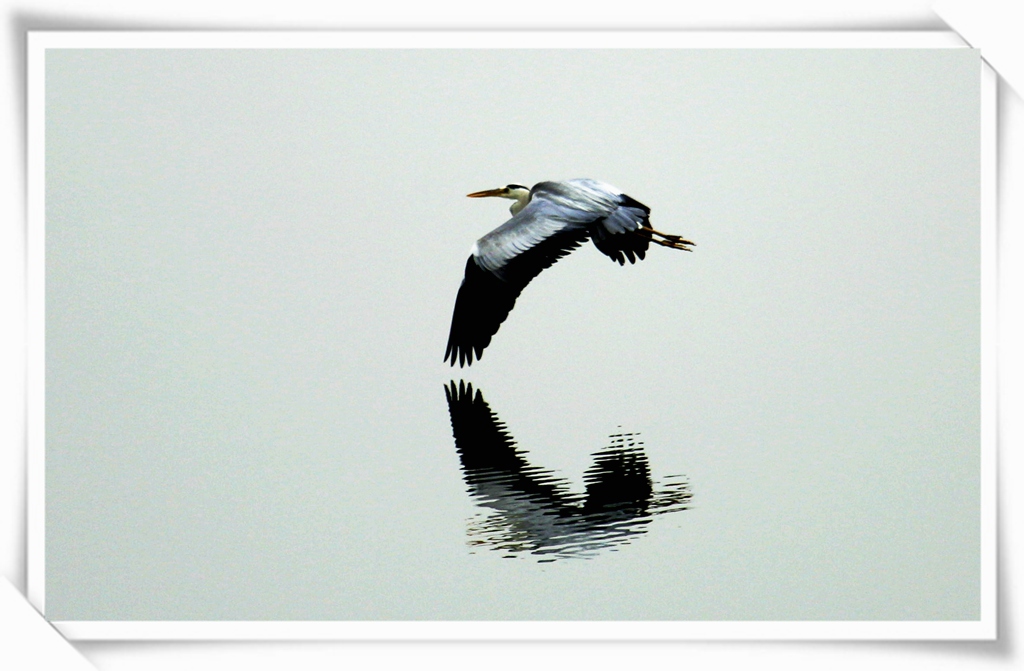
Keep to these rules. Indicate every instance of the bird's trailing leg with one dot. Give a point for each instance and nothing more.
(682, 244)
(666, 239)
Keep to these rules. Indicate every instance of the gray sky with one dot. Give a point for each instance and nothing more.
(252, 258)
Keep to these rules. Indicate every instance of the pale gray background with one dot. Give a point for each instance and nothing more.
(251, 263)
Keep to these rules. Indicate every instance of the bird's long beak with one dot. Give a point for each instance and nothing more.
(484, 194)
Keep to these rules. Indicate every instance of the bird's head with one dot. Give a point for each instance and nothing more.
(516, 192)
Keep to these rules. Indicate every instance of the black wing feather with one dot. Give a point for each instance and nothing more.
(621, 246)
(484, 299)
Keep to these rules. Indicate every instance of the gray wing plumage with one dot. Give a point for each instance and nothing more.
(517, 245)
(618, 215)
(559, 218)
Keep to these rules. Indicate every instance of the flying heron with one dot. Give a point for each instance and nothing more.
(548, 221)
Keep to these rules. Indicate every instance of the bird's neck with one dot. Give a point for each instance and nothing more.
(522, 197)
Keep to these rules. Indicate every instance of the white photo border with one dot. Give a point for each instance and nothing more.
(984, 628)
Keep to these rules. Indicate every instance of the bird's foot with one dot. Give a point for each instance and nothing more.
(684, 245)
(668, 239)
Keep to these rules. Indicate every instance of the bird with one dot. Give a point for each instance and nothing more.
(548, 222)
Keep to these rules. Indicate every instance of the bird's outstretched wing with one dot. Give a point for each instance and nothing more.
(503, 262)
(620, 231)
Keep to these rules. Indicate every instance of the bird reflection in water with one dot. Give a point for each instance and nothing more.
(535, 512)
